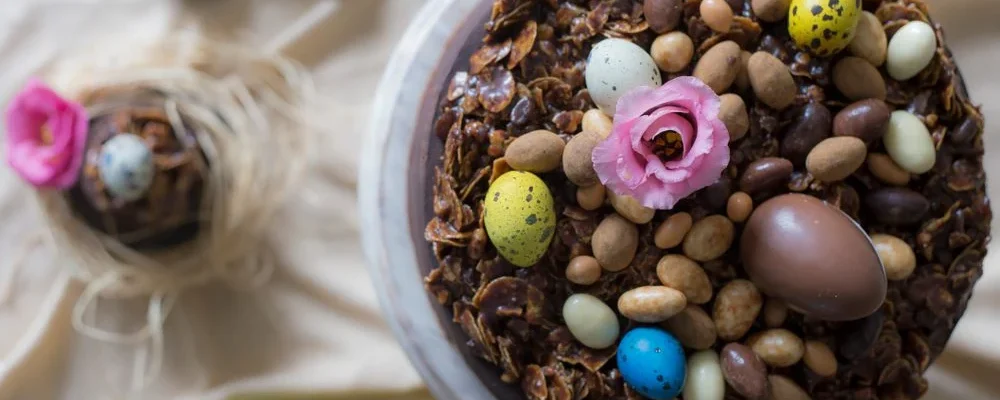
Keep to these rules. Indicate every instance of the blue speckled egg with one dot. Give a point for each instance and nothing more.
(652, 362)
(126, 167)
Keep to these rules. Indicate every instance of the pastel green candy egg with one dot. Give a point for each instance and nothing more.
(520, 218)
(823, 27)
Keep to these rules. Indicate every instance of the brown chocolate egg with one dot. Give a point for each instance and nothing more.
(814, 257)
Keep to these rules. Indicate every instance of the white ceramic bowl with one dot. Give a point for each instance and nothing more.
(395, 189)
(394, 193)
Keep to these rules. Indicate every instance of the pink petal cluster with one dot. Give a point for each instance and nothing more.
(46, 135)
(625, 161)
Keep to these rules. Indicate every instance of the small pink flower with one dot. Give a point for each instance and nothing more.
(666, 143)
(46, 135)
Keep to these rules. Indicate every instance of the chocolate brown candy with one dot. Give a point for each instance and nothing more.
(857, 337)
(814, 257)
(662, 15)
(810, 127)
(866, 120)
(744, 371)
(966, 131)
(716, 195)
(765, 174)
(897, 206)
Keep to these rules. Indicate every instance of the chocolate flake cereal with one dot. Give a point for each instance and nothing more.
(528, 75)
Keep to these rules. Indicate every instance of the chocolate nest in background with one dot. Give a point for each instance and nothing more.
(529, 75)
(168, 212)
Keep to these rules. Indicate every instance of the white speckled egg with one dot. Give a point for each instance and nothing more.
(126, 167)
(616, 66)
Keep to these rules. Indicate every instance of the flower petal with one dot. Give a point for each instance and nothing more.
(79, 127)
(657, 195)
(614, 161)
(655, 168)
(51, 165)
(638, 101)
(685, 105)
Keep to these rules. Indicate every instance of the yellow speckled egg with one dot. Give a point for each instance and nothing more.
(823, 27)
(520, 218)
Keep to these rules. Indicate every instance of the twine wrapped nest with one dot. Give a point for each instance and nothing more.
(251, 116)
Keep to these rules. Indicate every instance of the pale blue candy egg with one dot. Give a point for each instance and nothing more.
(126, 167)
(652, 362)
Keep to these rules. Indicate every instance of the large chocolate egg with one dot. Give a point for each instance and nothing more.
(814, 257)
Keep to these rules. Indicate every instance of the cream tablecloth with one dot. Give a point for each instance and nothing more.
(315, 330)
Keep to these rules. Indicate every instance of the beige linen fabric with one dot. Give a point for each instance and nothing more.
(315, 330)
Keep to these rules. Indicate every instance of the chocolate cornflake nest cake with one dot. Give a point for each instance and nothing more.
(142, 182)
(709, 198)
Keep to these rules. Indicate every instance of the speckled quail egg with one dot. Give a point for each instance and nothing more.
(823, 27)
(126, 167)
(616, 66)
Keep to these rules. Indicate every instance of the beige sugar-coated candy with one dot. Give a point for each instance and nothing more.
(733, 113)
(614, 242)
(536, 151)
(630, 208)
(836, 158)
(583, 270)
(886, 170)
(651, 304)
(783, 388)
(739, 206)
(709, 238)
(778, 347)
(870, 42)
(671, 232)
(819, 358)
(692, 327)
(857, 79)
(897, 257)
(770, 10)
(577, 163)
(672, 51)
(719, 66)
(685, 275)
(590, 197)
(736, 308)
(595, 120)
(743, 76)
(771, 80)
(717, 15)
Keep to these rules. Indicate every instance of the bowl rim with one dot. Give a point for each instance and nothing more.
(406, 85)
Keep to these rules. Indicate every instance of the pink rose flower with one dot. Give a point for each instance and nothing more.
(46, 135)
(666, 143)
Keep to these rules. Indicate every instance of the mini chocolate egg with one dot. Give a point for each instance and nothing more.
(823, 27)
(126, 167)
(519, 217)
(652, 362)
(817, 259)
(616, 66)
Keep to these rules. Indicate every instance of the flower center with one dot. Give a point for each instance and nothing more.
(668, 145)
(46, 135)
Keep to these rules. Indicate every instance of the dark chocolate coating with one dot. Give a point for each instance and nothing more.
(814, 257)
(168, 214)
